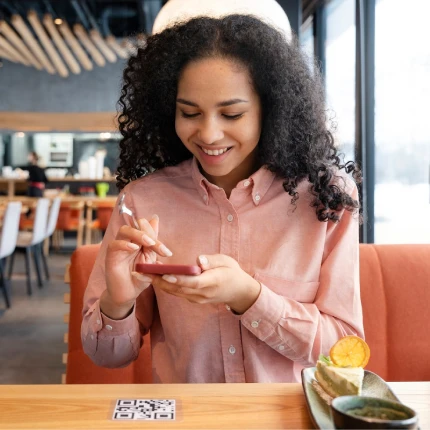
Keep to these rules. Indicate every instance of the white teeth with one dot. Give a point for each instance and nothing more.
(214, 152)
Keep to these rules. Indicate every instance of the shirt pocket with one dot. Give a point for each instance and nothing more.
(303, 292)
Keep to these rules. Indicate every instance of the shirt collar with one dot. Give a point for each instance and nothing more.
(260, 182)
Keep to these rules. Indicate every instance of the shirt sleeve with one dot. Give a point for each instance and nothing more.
(302, 331)
(113, 343)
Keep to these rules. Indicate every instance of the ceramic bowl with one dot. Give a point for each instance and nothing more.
(358, 412)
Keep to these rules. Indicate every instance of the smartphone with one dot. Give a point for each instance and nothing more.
(168, 269)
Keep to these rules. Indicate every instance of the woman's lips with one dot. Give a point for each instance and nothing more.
(213, 159)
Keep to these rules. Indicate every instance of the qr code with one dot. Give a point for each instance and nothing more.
(145, 410)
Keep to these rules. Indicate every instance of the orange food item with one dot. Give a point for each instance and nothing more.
(350, 351)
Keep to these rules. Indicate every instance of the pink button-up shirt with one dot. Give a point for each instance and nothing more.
(308, 270)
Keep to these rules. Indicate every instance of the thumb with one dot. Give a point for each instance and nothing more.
(207, 262)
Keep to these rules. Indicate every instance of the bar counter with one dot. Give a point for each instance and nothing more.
(12, 185)
(208, 406)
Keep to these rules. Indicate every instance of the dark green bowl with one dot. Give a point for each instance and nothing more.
(358, 412)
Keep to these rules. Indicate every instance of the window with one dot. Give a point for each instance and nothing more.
(340, 73)
(307, 40)
(402, 112)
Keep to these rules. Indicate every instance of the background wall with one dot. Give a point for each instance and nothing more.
(25, 89)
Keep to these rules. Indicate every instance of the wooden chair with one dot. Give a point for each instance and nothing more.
(98, 226)
(80, 369)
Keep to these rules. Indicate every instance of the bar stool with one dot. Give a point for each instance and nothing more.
(8, 239)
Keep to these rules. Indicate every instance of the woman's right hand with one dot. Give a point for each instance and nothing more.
(129, 247)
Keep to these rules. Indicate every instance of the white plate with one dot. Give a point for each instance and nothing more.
(319, 410)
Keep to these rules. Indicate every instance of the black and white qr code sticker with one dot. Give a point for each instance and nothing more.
(145, 410)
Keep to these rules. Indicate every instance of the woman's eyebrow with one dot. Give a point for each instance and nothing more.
(221, 104)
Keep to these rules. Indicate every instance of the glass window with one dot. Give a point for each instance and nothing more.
(307, 40)
(402, 131)
(340, 73)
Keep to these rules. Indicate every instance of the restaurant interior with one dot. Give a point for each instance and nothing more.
(61, 65)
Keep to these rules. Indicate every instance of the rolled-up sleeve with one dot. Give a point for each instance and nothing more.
(112, 343)
(302, 331)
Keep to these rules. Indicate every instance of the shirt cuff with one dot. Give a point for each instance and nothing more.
(99, 322)
(263, 316)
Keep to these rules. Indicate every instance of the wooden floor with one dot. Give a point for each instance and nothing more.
(31, 331)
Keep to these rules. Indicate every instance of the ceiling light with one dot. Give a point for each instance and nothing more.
(58, 21)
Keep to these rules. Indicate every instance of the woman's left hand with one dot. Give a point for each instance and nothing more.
(221, 281)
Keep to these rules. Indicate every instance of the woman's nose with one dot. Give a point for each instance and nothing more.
(210, 132)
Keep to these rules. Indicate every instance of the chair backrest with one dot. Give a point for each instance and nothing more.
(10, 228)
(53, 216)
(80, 369)
(395, 293)
(40, 221)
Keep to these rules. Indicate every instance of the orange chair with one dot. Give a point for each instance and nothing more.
(70, 218)
(104, 210)
(395, 293)
(80, 369)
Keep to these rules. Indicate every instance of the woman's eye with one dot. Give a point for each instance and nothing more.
(188, 115)
(233, 116)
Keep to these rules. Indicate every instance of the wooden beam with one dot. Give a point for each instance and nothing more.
(119, 50)
(11, 52)
(55, 121)
(47, 44)
(61, 45)
(32, 43)
(19, 44)
(102, 45)
(75, 46)
(89, 45)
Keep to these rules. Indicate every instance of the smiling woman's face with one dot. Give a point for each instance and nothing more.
(218, 118)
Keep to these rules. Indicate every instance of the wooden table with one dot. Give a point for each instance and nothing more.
(208, 406)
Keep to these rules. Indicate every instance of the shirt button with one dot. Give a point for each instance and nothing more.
(108, 327)
(246, 183)
(230, 217)
(254, 324)
(281, 347)
(232, 350)
(257, 197)
(98, 322)
(228, 307)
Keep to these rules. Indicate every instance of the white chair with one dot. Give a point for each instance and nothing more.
(8, 239)
(50, 228)
(32, 241)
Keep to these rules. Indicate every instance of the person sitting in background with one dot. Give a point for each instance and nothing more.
(36, 176)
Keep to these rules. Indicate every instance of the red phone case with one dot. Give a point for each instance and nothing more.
(168, 269)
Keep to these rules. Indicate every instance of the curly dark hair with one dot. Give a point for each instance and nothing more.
(295, 142)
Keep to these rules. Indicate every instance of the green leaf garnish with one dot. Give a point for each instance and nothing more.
(325, 359)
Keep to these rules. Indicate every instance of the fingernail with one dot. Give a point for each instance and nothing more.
(166, 251)
(141, 277)
(203, 260)
(133, 246)
(155, 216)
(170, 278)
(148, 241)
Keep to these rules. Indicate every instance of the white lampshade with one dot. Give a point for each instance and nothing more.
(269, 11)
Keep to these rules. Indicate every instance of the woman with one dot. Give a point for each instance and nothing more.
(225, 139)
(36, 176)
